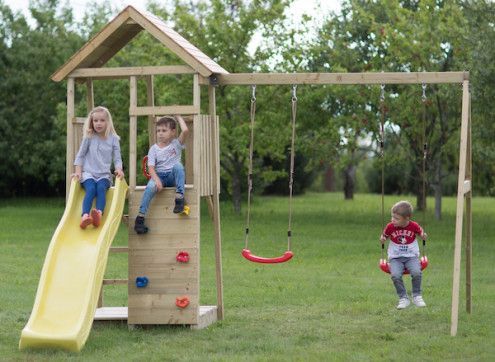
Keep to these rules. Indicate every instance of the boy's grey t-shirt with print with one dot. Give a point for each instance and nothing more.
(164, 159)
(96, 155)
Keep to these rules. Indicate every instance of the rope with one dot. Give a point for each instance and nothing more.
(252, 114)
(425, 153)
(382, 153)
(292, 156)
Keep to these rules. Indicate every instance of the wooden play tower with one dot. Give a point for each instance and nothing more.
(154, 255)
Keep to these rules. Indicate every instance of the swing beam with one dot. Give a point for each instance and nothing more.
(464, 185)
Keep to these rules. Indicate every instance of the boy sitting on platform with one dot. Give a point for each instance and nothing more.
(165, 168)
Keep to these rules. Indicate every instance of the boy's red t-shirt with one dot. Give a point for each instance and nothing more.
(403, 235)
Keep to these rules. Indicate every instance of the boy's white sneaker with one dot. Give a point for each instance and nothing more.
(403, 303)
(418, 301)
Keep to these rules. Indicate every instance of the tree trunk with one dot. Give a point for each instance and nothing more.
(438, 189)
(329, 179)
(349, 181)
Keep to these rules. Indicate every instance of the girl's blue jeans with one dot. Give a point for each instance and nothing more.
(95, 189)
(175, 177)
(397, 266)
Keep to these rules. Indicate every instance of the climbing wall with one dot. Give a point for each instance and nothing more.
(153, 255)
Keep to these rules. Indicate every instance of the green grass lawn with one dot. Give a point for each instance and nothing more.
(331, 302)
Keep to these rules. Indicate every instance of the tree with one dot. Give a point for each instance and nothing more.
(32, 143)
(403, 36)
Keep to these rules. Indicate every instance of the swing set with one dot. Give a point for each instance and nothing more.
(464, 191)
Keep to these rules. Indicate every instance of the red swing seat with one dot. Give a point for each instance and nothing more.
(385, 266)
(246, 253)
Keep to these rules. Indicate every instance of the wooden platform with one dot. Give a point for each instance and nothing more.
(207, 315)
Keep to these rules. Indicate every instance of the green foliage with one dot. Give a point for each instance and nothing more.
(32, 147)
(398, 36)
(336, 125)
(480, 15)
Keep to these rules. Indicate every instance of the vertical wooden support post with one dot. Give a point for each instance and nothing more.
(469, 230)
(132, 134)
(150, 102)
(460, 208)
(196, 93)
(90, 95)
(70, 134)
(216, 206)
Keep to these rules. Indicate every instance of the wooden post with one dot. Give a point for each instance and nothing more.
(70, 134)
(132, 134)
(469, 230)
(460, 207)
(90, 96)
(150, 97)
(216, 206)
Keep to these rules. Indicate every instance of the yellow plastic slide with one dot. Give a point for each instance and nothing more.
(72, 274)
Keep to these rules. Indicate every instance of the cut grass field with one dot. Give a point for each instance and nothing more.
(331, 302)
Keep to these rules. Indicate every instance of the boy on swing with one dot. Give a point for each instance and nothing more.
(403, 252)
(165, 167)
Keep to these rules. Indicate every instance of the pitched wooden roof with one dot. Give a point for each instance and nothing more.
(122, 29)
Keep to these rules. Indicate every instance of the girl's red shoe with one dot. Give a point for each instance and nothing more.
(96, 216)
(85, 221)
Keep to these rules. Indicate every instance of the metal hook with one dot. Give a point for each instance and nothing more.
(253, 93)
(382, 92)
(294, 97)
(424, 92)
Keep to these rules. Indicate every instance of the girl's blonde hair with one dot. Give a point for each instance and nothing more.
(89, 131)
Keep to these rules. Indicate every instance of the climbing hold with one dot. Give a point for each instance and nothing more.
(182, 302)
(141, 282)
(182, 257)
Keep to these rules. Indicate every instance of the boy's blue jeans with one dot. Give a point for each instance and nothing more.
(397, 266)
(95, 189)
(175, 177)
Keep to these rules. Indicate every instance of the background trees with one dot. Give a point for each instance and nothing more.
(336, 126)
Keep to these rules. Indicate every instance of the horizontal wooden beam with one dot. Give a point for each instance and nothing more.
(162, 110)
(114, 281)
(467, 186)
(119, 249)
(124, 72)
(341, 78)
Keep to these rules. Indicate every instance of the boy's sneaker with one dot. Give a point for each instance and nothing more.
(139, 226)
(403, 303)
(85, 221)
(96, 216)
(179, 205)
(418, 301)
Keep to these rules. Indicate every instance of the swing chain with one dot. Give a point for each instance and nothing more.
(382, 92)
(424, 92)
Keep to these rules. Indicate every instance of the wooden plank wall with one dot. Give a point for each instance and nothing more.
(153, 255)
